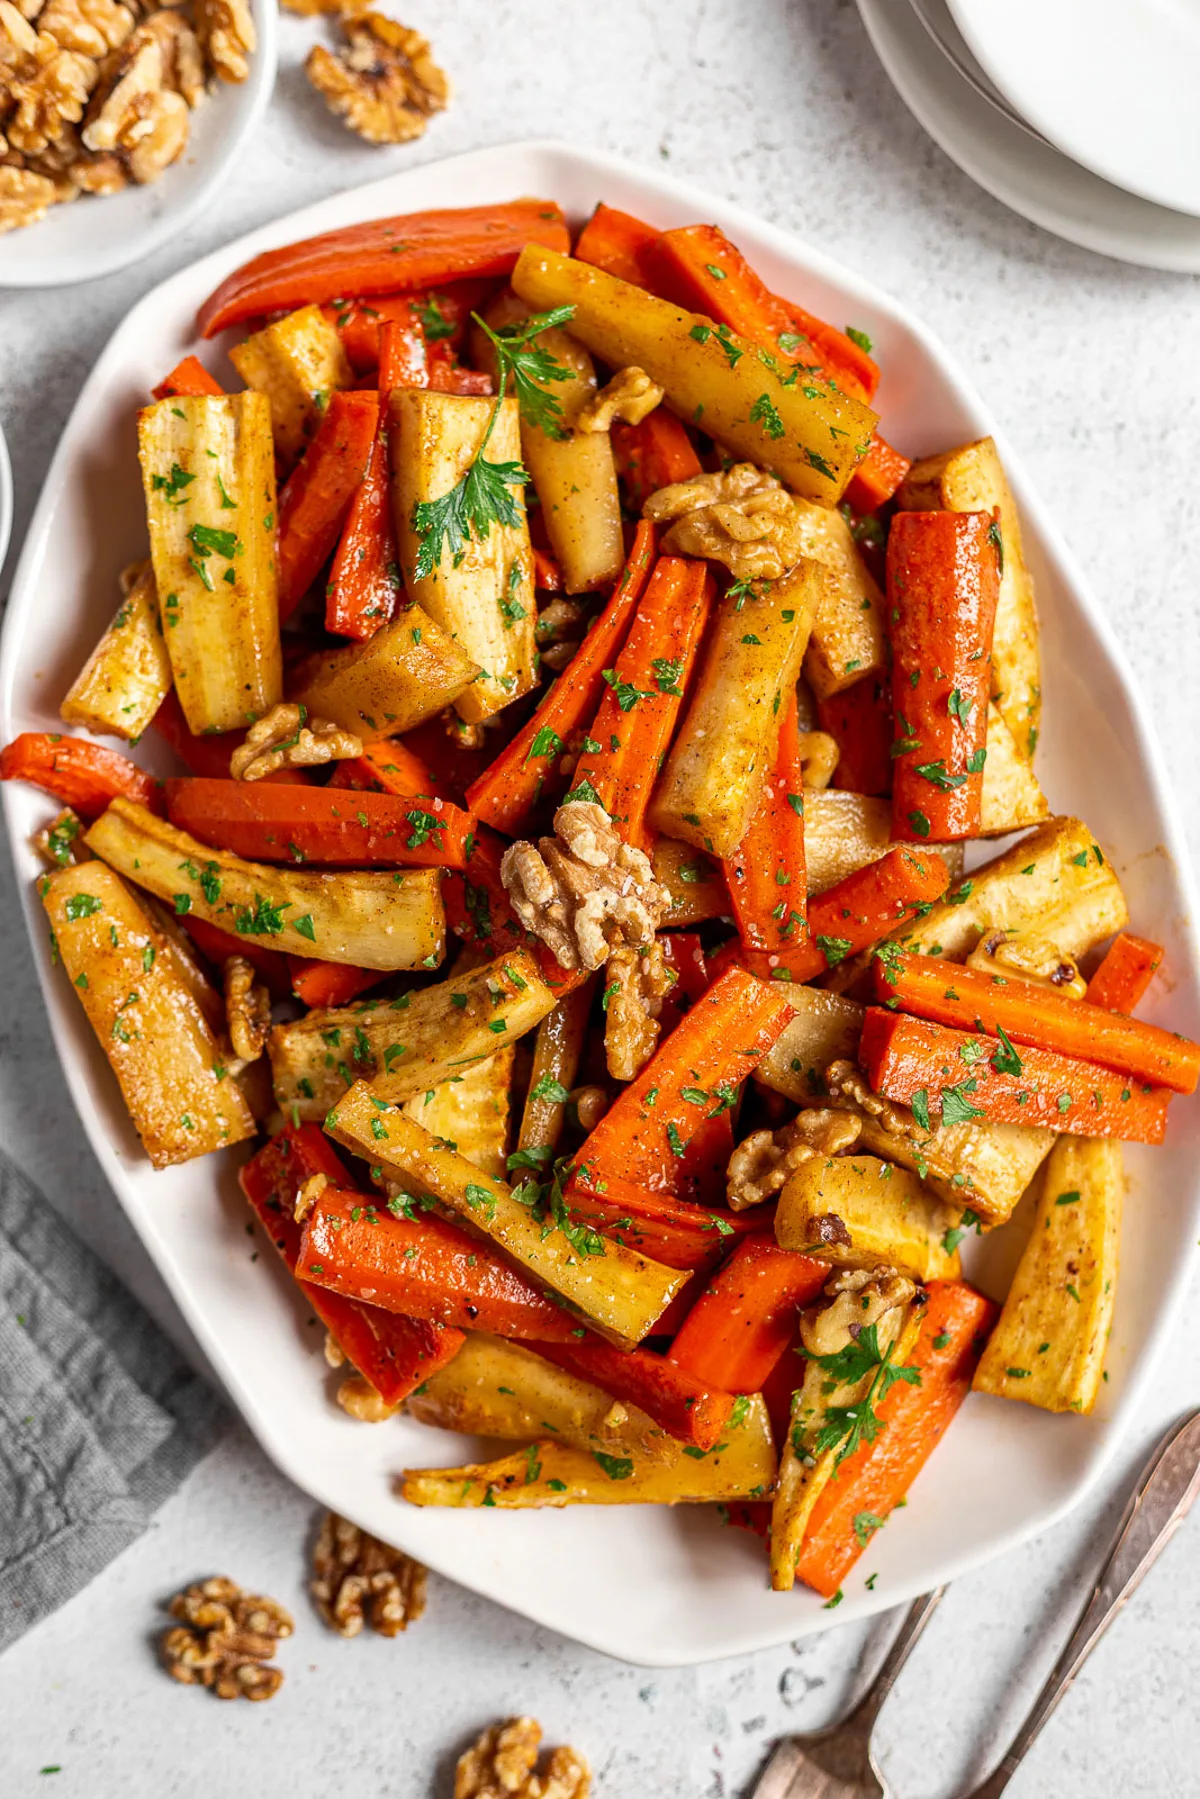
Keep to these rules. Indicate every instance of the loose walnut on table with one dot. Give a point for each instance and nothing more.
(225, 1639)
(359, 1580)
(385, 84)
(501, 1765)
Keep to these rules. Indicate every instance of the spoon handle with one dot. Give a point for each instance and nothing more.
(1159, 1504)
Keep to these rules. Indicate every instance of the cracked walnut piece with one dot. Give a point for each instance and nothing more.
(631, 395)
(637, 980)
(819, 756)
(48, 93)
(92, 27)
(583, 890)
(759, 1167)
(227, 37)
(385, 84)
(247, 1009)
(358, 1579)
(741, 517)
(501, 1766)
(24, 198)
(225, 1639)
(286, 737)
(852, 1299)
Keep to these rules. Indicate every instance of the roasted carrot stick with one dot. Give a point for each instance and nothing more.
(683, 953)
(187, 379)
(954, 1076)
(202, 755)
(403, 354)
(669, 1130)
(690, 1410)
(877, 476)
(766, 875)
(859, 719)
(317, 495)
(442, 316)
(872, 1481)
(943, 582)
(654, 454)
(616, 242)
(858, 912)
(270, 965)
(547, 576)
(385, 256)
(394, 1353)
(424, 1267)
(365, 588)
(745, 1319)
(1038, 1017)
(672, 1231)
(632, 729)
(506, 793)
(1125, 973)
(697, 267)
(318, 824)
(82, 775)
(329, 983)
(390, 766)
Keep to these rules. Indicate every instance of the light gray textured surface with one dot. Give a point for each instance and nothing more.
(1092, 367)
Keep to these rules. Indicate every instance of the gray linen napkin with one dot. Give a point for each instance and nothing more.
(100, 1419)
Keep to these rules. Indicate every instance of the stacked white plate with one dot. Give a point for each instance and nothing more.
(1079, 114)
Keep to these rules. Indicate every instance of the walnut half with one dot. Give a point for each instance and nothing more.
(584, 890)
(286, 737)
(501, 1766)
(741, 517)
(357, 1580)
(631, 395)
(225, 1639)
(759, 1167)
(636, 981)
(385, 84)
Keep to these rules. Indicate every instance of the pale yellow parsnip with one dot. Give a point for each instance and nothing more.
(482, 595)
(208, 471)
(128, 675)
(857, 1211)
(406, 672)
(296, 363)
(371, 918)
(848, 636)
(726, 744)
(750, 400)
(169, 1063)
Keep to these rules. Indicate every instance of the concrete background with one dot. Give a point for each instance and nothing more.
(1092, 366)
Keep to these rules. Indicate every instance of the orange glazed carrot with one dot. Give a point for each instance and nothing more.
(1125, 973)
(1038, 1017)
(403, 355)
(390, 766)
(859, 911)
(317, 495)
(632, 729)
(767, 875)
(943, 582)
(329, 825)
(877, 476)
(951, 1077)
(654, 454)
(386, 256)
(270, 965)
(546, 573)
(690, 1410)
(329, 983)
(442, 316)
(423, 1267)
(616, 242)
(672, 1231)
(80, 774)
(745, 1319)
(394, 1353)
(859, 719)
(668, 1131)
(188, 379)
(872, 1481)
(202, 755)
(365, 588)
(505, 794)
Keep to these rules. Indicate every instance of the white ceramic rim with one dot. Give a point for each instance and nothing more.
(541, 159)
(6, 499)
(58, 271)
(1034, 179)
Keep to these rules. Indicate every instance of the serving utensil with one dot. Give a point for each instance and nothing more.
(838, 1764)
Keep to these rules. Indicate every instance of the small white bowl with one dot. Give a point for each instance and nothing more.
(6, 500)
(94, 237)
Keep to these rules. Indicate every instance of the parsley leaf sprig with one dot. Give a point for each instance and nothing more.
(482, 497)
(845, 1427)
